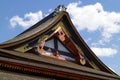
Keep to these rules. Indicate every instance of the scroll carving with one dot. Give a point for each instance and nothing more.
(40, 47)
(82, 60)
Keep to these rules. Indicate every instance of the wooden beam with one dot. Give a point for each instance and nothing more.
(55, 44)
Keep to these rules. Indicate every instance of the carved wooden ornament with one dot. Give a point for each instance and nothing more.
(40, 47)
(61, 35)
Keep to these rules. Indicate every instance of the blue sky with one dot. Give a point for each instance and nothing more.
(98, 22)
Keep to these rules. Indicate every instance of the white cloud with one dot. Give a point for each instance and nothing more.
(28, 20)
(94, 17)
(104, 52)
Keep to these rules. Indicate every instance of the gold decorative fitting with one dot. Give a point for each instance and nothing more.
(82, 60)
(43, 38)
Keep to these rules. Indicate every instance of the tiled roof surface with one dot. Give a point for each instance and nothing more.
(38, 27)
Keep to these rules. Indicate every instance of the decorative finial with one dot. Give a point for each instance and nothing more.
(59, 9)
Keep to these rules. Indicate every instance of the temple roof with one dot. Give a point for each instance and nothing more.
(40, 28)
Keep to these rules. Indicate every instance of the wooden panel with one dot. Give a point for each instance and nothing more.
(50, 43)
(61, 47)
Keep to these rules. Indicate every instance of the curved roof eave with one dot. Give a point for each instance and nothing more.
(92, 54)
(35, 30)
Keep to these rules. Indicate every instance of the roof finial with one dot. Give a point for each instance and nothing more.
(59, 9)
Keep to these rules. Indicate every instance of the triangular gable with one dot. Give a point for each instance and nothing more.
(56, 43)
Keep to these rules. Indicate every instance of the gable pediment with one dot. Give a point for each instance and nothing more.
(56, 43)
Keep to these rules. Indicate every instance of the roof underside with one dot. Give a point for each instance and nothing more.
(51, 63)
